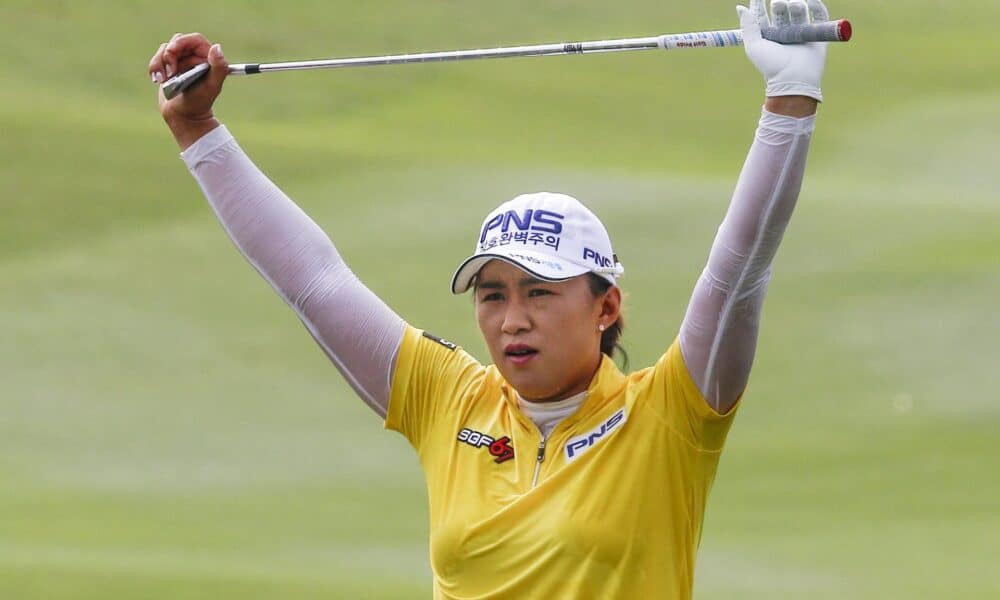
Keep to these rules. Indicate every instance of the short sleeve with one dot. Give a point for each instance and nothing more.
(431, 379)
(682, 406)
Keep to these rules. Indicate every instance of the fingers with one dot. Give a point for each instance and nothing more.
(749, 25)
(220, 68)
(779, 13)
(159, 67)
(170, 57)
(188, 62)
(818, 11)
(181, 46)
(177, 55)
(798, 12)
(156, 64)
(759, 12)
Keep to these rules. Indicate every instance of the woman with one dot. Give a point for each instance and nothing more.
(550, 473)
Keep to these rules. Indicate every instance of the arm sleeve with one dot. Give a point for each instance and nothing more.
(356, 330)
(718, 336)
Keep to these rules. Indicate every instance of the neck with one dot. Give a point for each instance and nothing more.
(577, 387)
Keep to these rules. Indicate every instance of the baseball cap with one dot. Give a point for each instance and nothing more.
(552, 236)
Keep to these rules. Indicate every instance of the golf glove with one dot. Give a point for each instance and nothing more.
(788, 69)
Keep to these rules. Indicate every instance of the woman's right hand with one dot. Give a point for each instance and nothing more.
(189, 114)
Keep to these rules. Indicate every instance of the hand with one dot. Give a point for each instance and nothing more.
(788, 69)
(189, 114)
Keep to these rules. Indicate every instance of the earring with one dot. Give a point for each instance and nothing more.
(601, 328)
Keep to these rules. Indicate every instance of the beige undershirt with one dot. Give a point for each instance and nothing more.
(547, 415)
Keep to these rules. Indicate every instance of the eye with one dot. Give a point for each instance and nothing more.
(539, 292)
(491, 297)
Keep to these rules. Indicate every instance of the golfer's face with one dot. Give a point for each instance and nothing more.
(542, 336)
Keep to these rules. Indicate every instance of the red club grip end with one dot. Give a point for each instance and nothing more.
(844, 30)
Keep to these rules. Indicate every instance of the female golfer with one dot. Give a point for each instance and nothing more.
(550, 474)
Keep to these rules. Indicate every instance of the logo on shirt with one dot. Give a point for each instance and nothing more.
(580, 444)
(500, 449)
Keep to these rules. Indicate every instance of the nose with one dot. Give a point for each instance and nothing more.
(515, 319)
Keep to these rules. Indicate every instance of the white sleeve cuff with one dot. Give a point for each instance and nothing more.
(794, 88)
(782, 123)
(206, 144)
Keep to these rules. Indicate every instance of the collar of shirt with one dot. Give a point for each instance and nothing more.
(607, 382)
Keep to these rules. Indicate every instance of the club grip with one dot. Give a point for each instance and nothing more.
(177, 84)
(827, 31)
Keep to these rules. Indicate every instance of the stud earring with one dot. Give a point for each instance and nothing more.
(601, 327)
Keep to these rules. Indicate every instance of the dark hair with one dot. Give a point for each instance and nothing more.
(611, 335)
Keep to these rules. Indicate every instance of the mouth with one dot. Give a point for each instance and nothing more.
(520, 354)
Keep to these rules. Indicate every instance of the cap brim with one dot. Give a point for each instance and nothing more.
(542, 266)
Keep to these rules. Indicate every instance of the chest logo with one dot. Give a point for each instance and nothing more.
(580, 444)
(500, 449)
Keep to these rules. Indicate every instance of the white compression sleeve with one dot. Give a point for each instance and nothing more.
(719, 334)
(358, 332)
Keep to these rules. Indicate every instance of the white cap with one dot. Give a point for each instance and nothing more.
(552, 236)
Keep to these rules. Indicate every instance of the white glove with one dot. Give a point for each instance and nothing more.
(789, 69)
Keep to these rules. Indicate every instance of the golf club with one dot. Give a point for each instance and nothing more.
(829, 31)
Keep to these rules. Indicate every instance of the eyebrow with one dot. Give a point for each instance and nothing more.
(499, 285)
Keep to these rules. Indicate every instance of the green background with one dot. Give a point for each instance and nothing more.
(169, 430)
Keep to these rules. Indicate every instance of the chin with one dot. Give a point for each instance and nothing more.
(527, 385)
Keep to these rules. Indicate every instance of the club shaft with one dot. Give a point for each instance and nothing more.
(828, 31)
(646, 43)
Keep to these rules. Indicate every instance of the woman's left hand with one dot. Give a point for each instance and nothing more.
(789, 69)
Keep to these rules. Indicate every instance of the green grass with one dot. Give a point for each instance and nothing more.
(169, 430)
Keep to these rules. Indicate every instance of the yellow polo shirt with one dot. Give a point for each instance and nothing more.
(612, 510)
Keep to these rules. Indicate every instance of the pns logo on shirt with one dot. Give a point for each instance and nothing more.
(500, 449)
(580, 444)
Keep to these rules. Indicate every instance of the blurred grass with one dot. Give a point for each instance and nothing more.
(168, 430)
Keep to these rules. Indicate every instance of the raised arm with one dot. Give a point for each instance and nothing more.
(358, 332)
(719, 333)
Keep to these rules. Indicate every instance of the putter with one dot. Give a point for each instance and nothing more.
(828, 31)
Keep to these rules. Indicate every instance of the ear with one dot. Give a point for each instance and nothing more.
(610, 306)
